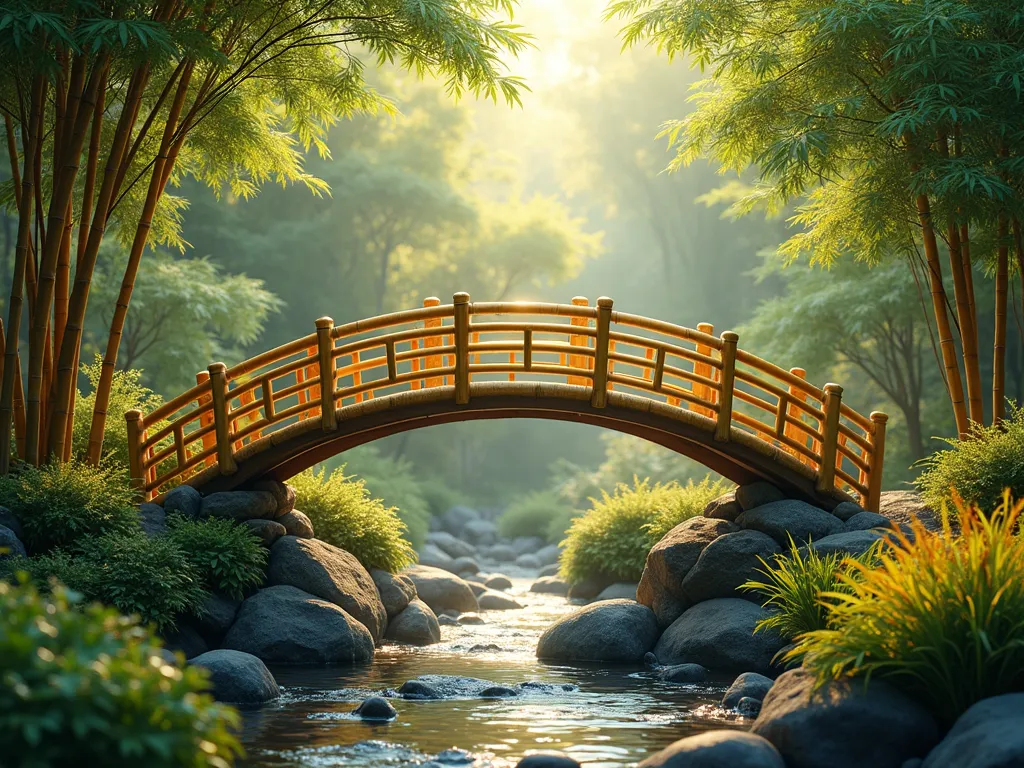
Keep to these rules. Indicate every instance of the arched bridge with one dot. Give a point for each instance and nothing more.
(688, 390)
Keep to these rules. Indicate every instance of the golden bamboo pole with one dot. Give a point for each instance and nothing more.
(577, 340)
(703, 391)
(325, 348)
(724, 422)
(599, 397)
(206, 416)
(136, 424)
(433, 361)
(221, 417)
(461, 302)
(830, 438)
(877, 459)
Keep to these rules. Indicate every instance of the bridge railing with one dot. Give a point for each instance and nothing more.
(447, 348)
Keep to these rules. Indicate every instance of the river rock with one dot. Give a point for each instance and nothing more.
(216, 615)
(498, 692)
(530, 562)
(496, 601)
(465, 565)
(717, 749)
(450, 545)
(238, 678)
(902, 507)
(435, 557)
(682, 673)
(865, 521)
(267, 531)
(471, 619)
(416, 625)
(749, 685)
(719, 634)
(185, 638)
(527, 545)
(184, 500)
(668, 562)
(784, 519)
(844, 724)
(456, 518)
(152, 519)
(498, 582)
(620, 590)
(613, 631)
(331, 574)
(441, 590)
(501, 553)
(854, 543)
(844, 510)
(284, 495)
(476, 586)
(547, 760)
(749, 706)
(240, 505)
(728, 562)
(550, 585)
(725, 507)
(988, 735)
(548, 555)
(758, 494)
(395, 589)
(297, 524)
(375, 708)
(549, 570)
(414, 689)
(8, 520)
(10, 545)
(284, 625)
(480, 533)
(588, 588)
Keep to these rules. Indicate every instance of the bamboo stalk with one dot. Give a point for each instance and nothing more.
(461, 302)
(830, 438)
(135, 427)
(702, 391)
(432, 361)
(576, 340)
(325, 350)
(221, 418)
(599, 398)
(878, 421)
(206, 416)
(999, 339)
(724, 422)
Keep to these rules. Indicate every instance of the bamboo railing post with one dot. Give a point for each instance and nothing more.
(576, 340)
(221, 418)
(325, 349)
(599, 397)
(432, 361)
(830, 438)
(206, 417)
(724, 423)
(703, 391)
(461, 302)
(792, 431)
(136, 425)
(878, 421)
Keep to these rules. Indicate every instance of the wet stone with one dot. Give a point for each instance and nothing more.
(414, 689)
(749, 707)
(376, 708)
(498, 692)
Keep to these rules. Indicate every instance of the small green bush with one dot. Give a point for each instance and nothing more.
(85, 686)
(978, 468)
(613, 538)
(58, 504)
(344, 514)
(533, 514)
(228, 558)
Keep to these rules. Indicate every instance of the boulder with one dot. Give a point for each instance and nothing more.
(527, 545)
(238, 678)
(717, 749)
(331, 574)
(589, 588)
(988, 735)
(435, 557)
(375, 708)
(441, 590)
(725, 507)
(152, 519)
(548, 555)
(450, 545)
(496, 601)
(414, 689)
(284, 625)
(456, 518)
(467, 619)
(749, 685)
(904, 506)
(10, 545)
(749, 707)
(549, 570)
(844, 724)
(240, 505)
(758, 494)
(296, 523)
(465, 565)
(847, 509)
(854, 543)
(216, 615)
(184, 500)
(481, 533)
(498, 582)
(528, 561)
(550, 585)
(416, 625)
(612, 631)
(719, 634)
(395, 589)
(547, 760)
(502, 553)
(284, 495)
(668, 562)
(865, 521)
(620, 590)
(185, 638)
(728, 562)
(682, 673)
(8, 520)
(267, 531)
(476, 586)
(784, 519)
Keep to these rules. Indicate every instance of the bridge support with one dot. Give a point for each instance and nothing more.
(325, 349)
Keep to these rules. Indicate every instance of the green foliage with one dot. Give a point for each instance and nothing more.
(85, 686)
(226, 557)
(613, 538)
(537, 514)
(344, 514)
(978, 468)
(58, 504)
(395, 483)
(939, 617)
(800, 589)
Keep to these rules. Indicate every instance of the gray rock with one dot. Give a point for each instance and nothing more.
(284, 495)
(496, 601)
(620, 590)
(847, 509)
(547, 760)
(396, 590)
(416, 625)
(184, 500)
(914, 762)
(719, 634)
(528, 561)
(456, 518)
(725, 507)
(240, 505)
(445, 620)
(749, 707)
(844, 724)
(185, 638)
(435, 557)
(285, 625)
(216, 615)
(484, 647)
(613, 631)
(498, 692)
(450, 545)
(238, 678)
(855, 543)
(471, 619)
(498, 582)
(501, 553)
(152, 519)
(548, 555)
(549, 570)
(524, 545)
(784, 519)
(480, 533)
(902, 507)
(267, 531)
(717, 749)
(376, 708)
(414, 689)
(865, 521)
(550, 585)
(589, 588)
(8, 520)
(748, 685)
(757, 495)
(476, 586)
(296, 523)
(668, 562)
(465, 565)
(331, 574)
(727, 563)
(990, 734)
(682, 673)
(441, 590)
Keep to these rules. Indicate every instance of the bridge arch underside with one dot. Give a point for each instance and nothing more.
(742, 459)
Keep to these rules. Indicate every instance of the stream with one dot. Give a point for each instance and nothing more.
(599, 715)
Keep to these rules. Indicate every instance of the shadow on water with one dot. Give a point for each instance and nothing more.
(609, 716)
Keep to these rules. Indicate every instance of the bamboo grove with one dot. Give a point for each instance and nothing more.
(108, 105)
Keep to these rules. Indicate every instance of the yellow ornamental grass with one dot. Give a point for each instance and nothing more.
(940, 615)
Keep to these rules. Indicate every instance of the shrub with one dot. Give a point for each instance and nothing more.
(57, 504)
(88, 687)
(978, 468)
(344, 514)
(532, 515)
(227, 557)
(613, 538)
(942, 616)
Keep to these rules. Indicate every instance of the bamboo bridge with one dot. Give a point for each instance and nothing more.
(687, 389)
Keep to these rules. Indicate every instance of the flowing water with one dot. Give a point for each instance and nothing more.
(601, 715)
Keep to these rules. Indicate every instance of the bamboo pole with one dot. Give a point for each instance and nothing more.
(135, 425)
(702, 391)
(830, 438)
(461, 302)
(432, 361)
(878, 421)
(325, 348)
(599, 397)
(724, 423)
(206, 416)
(577, 340)
(792, 431)
(219, 391)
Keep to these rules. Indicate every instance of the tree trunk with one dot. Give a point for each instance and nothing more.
(999, 340)
(968, 330)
